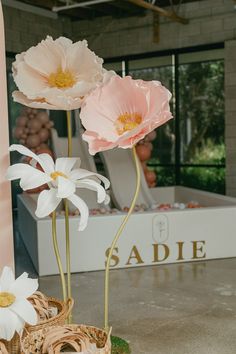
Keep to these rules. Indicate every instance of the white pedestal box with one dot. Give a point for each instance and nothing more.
(149, 238)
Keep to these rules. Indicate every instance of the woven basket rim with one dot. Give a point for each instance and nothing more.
(66, 308)
(13, 346)
(107, 341)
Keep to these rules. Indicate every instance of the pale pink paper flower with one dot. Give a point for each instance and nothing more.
(57, 74)
(122, 111)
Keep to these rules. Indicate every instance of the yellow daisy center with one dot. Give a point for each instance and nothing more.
(61, 79)
(127, 121)
(56, 174)
(6, 299)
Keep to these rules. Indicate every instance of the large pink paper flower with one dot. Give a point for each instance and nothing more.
(57, 74)
(122, 111)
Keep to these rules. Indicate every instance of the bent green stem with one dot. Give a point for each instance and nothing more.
(58, 258)
(117, 236)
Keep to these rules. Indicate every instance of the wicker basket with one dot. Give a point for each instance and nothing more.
(64, 309)
(13, 346)
(3, 349)
(33, 343)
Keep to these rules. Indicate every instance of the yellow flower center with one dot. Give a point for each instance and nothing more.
(61, 79)
(127, 121)
(6, 299)
(56, 174)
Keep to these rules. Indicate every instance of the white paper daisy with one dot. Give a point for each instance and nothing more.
(15, 309)
(62, 180)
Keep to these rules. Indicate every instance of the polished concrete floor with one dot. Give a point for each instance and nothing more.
(170, 309)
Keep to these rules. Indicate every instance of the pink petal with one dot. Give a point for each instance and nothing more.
(96, 144)
(62, 101)
(46, 57)
(38, 104)
(119, 96)
(29, 81)
(83, 62)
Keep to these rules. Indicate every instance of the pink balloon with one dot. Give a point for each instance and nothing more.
(43, 147)
(42, 117)
(152, 136)
(21, 121)
(43, 134)
(18, 131)
(149, 146)
(33, 141)
(34, 125)
(143, 152)
(150, 177)
(48, 125)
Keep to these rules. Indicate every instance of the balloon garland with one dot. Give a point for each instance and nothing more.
(33, 130)
(144, 150)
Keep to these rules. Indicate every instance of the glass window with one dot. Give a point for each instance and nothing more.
(211, 179)
(160, 69)
(201, 111)
(201, 115)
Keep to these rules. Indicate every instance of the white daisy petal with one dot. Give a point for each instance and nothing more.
(13, 316)
(24, 309)
(107, 199)
(47, 202)
(7, 323)
(6, 279)
(23, 286)
(94, 186)
(19, 170)
(65, 164)
(25, 151)
(19, 324)
(30, 176)
(34, 180)
(84, 212)
(81, 173)
(65, 187)
(48, 163)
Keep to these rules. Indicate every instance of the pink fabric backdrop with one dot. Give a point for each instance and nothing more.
(6, 232)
